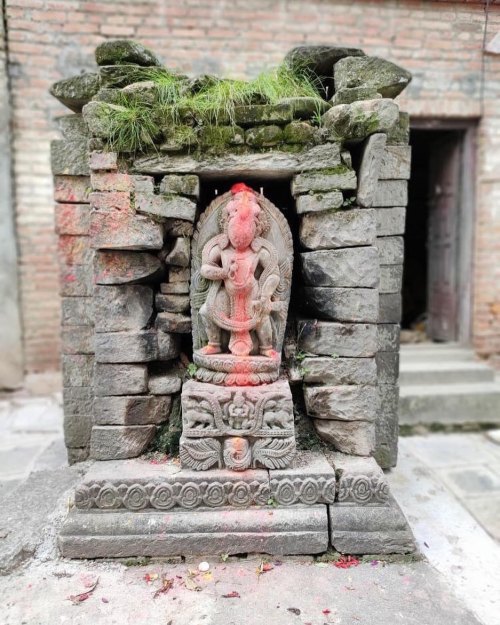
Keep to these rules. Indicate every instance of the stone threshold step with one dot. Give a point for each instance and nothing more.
(444, 372)
(437, 353)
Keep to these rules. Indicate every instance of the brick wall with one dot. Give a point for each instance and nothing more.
(440, 42)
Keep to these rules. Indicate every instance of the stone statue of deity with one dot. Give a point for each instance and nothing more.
(242, 265)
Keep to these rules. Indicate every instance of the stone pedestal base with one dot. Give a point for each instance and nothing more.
(135, 508)
(237, 427)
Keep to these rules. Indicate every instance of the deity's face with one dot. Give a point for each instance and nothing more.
(242, 211)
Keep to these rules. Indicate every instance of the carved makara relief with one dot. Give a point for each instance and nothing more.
(242, 258)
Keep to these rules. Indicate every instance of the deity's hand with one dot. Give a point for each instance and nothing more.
(233, 268)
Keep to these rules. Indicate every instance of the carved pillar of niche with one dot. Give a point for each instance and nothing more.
(238, 413)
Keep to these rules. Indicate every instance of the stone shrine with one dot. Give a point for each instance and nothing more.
(231, 266)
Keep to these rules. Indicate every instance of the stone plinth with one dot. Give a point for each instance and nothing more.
(237, 427)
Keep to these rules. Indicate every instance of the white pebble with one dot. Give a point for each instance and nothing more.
(203, 566)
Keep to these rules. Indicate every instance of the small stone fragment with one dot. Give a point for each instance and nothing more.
(188, 185)
(179, 274)
(119, 51)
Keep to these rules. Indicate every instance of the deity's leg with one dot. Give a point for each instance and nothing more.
(265, 335)
(213, 332)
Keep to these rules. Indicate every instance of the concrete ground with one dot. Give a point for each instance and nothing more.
(447, 484)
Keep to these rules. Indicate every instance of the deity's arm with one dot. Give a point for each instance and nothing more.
(272, 280)
(211, 264)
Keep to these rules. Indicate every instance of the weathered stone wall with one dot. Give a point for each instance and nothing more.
(439, 42)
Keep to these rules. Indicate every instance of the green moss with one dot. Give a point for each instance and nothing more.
(167, 438)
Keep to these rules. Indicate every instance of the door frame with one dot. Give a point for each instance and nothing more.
(466, 217)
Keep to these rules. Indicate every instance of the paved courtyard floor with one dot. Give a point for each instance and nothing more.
(447, 484)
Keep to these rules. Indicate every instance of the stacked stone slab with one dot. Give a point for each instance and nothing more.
(126, 223)
(72, 217)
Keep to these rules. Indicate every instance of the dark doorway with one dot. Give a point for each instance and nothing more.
(438, 238)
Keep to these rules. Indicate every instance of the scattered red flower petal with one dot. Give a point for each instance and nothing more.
(345, 562)
(232, 595)
(327, 611)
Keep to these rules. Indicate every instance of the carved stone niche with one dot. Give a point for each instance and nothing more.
(242, 257)
(237, 427)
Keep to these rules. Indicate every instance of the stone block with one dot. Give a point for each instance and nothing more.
(351, 228)
(180, 253)
(77, 339)
(290, 530)
(76, 281)
(107, 161)
(324, 338)
(179, 274)
(343, 304)
(173, 322)
(122, 308)
(132, 346)
(74, 250)
(304, 107)
(339, 371)
(113, 442)
(111, 181)
(73, 219)
(319, 59)
(390, 308)
(72, 127)
(396, 163)
(264, 136)
(254, 114)
(385, 77)
(174, 288)
(348, 95)
(350, 267)
(164, 381)
(349, 437)
(358, 529)
(387, 337)
(77, 454)
(131, 410)
(315, 202)
(77, 311)
(390, 250)
(112, 379)
(387, 426)
(387, 367)
(77, 370)
(310, 480)
(78, 402)
(77, 429)
(125, 267)
(144, 184)
(342, 403)
(72, 189)
(111, 201)
(124, 231)
(166, 206)
(188, 185)
(399, 134)
(369, 169)
(391, 221)
(360, 480)
(123, 52)
(172, 303)
(391, 278)
(299, 133)
(168, 345)
(391, 193)
(339, 177)
(76, 91)
(354, 122)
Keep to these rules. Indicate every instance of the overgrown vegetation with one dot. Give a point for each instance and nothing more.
(175, 108)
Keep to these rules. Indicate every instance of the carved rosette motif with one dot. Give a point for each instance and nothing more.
(306, 490)
(363, 489)
(165, 496)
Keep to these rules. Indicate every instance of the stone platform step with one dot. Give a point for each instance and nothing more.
(422, 372)
(436, 352)
(450, 404)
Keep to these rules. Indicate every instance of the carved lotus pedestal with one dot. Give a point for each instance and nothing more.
(237, 427)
